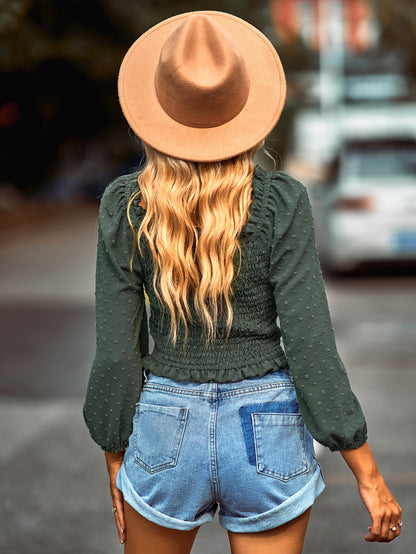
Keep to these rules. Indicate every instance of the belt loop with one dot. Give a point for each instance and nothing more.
(145, 375)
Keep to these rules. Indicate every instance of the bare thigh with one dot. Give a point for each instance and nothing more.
(144, 536)
(286, 539)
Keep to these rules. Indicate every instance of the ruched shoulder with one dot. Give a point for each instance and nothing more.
(117, 195)
(284, 193)
(274, 198)
(256, 209)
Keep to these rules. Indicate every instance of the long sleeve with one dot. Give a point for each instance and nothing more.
(330, 409)
(121, 328)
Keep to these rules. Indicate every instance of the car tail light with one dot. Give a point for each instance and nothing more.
(353, 203)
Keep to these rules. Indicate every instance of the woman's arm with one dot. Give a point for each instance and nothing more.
(122, 337)
(329, 408)
(384, 511)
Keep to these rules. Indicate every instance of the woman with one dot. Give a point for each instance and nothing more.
(226, 414)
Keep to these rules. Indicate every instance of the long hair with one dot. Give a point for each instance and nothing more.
(195, 212)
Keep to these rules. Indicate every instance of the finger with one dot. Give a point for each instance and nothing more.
(119, 515)
(391, 535)
(398, 520)
(397, 533)
(374, 530)
(121, 520)
(119, 503)
(395, 528)
(121, 532)
(386, 534)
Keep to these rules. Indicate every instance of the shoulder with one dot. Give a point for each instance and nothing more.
(114, 201)
(279, 189)
(118, 192)
(285, 191)
(283, 197)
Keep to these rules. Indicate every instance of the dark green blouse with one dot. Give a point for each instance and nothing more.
(280, 277)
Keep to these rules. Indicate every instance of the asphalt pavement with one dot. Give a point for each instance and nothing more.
(54, 495)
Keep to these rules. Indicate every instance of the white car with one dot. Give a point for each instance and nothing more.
(368, 212)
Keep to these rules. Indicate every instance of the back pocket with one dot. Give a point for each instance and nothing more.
(280, 444)
(158, 433)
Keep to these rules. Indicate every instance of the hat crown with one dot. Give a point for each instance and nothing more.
(202, 86)
(201, 79)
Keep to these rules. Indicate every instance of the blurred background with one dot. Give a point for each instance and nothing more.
(348, 132)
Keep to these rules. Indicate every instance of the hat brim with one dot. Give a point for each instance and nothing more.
(252, 124)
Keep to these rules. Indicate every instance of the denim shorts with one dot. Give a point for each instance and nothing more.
(241, 446)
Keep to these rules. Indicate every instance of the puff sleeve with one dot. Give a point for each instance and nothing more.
(115, 380)
(329, 408)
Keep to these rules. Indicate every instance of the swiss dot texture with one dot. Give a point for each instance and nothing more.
(280, 277)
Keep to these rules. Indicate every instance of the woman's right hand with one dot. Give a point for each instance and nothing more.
(114, 461)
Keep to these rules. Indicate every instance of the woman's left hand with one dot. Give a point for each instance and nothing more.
(114, 461)
(385, 512)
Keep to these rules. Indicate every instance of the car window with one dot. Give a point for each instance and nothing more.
(370, 160)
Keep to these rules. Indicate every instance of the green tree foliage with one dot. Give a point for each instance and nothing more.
(11, 12)
(397, 21)
(136, 17)
(94, 35)
(35, 31)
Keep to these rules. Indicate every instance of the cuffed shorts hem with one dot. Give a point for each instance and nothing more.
(288, 510)
(136, 502)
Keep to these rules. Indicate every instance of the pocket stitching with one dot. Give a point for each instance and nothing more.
(174, 455)
(257, 433)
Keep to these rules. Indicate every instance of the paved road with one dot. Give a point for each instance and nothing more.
(53, 491)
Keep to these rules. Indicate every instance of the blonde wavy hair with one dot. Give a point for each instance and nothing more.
(195, 212)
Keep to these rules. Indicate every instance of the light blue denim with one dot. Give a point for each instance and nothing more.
(239, 445)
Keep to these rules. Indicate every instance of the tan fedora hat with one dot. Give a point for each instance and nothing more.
(202, 86)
